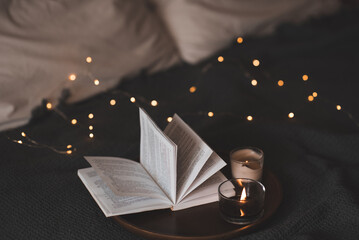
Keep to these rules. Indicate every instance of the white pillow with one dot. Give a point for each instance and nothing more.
(202, 27)
(43, 41)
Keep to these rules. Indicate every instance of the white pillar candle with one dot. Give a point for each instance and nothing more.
(247, 163)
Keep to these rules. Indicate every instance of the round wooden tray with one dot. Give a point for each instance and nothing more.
(202, 222)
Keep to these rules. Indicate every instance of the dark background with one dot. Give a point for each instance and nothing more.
(315, 155)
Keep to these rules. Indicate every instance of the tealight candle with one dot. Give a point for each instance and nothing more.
(247, 162)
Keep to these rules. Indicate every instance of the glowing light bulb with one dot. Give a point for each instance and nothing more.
(19, 142)
(239, 40)
(310, 98)
(133, 99)
(169, 119)
(72, 77)
(291, 115)
(90, 116)
(49, 105)
(96, 82)
(73, 121)
(112, 102)
(256, 62)
(339, 107)
(305, 77)
(69, 146)
(254, 82)
(220, 59)
(154, 103)
(280, 83)
(90, 127)
(89, 59)
(23, 134)
(69, 152)
(192, 89)
(315, 94)
(249, 118)
(210, 114)
(91, 135)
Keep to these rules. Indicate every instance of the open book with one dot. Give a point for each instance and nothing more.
(177, 170)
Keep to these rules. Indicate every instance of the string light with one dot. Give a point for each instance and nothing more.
(133, 99)
(112, 102)
(69, 152)
(91, 116)
(90, 127)
(239, 40)
(249, 118)
(91, 135)
(72, 77)
(19, 142)
(210, 114)
(89, 59)
(280, 83)
(291, 115)
(169, 119)
(49, 105)
(339, 107)
(315, 94)
(154, 103)
(310, 98)
(256, 62)
(73, 121)
(192, 89)
(23, 134)
(96, 82)
(220, 59)
(254, 82)
(305, 77)
(69, 146)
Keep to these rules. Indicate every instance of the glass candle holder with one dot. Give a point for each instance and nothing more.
(247, 162)
(241, 200)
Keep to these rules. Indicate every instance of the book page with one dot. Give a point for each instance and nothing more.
(193, 153)
(207, 192)
(111, 204)
(213, 165)
(125, 177)
(158, 155)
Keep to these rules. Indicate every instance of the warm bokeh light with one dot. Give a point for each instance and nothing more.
(220, 59)
(256, 62)
(73, 121)
(23, 134)
(249, 118)
(96, 82)
(112, 102)
(254, 82)
(91, 116)
(210, 114)
(192, 89)
(280, 83)
(69, 152)
(239, 40)
(91, 135)
(169, 119)
(291, 115)
(154, 103)
(69, 146)
(339, 107)
(19, 142)
(315, 94)
(89, 59)
(49, 105)
(90, 127)
(133, 99)
(72, 77)
(310, 98)
(305, 77)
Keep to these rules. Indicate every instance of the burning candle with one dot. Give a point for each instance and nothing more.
(247, 163)
(241, 200)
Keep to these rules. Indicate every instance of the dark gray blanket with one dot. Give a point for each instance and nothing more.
(315, 155)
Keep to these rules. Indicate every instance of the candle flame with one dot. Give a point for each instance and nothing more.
(242, 213)
(243, 195)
